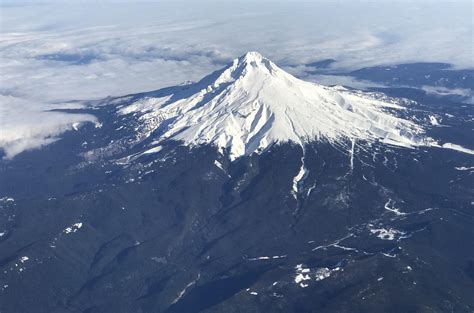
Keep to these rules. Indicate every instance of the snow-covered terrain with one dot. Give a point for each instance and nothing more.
(252, 104)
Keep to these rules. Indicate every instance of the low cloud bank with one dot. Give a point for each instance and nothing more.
(25, 127)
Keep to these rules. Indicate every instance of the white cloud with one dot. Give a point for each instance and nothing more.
(92, 49)
(466, 94)
(25, 127)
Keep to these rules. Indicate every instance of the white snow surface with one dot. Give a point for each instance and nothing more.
(253, 104)
(73, 228)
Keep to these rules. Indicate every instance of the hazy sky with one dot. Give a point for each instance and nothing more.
(91, 49)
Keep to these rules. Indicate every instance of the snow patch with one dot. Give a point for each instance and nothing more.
(351, 164)
(434, 121)
(386, 233)
(299, 178)
(389, 206)
(304, 275)
(7, 199)
(219, 165)
(463, 168)
(266, 258)
(186, 288)
(153, 150)
(322, 273)
(452, 146)
(73, 228)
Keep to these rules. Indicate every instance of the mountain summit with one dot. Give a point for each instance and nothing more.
(252, 104)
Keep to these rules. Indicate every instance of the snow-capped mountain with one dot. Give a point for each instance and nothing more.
(252, 104)
(351, 208)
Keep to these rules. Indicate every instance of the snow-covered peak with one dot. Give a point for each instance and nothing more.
(254, 60)
(252, 104)
(252, 56)
(250, 66)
